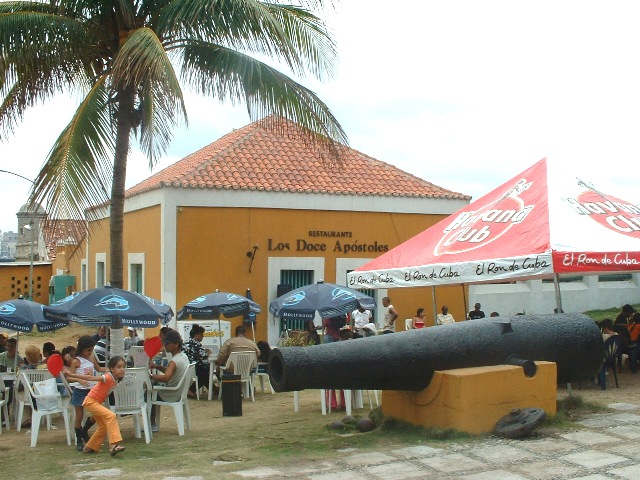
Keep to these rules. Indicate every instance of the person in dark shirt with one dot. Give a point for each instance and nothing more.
(624, 318)
(199, 355)
(476, 313)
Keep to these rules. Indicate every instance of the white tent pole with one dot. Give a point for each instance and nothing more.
(556, 284)
(435, 306)
(464, 298)
(220, 334)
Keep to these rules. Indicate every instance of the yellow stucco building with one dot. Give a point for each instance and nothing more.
(194, 227)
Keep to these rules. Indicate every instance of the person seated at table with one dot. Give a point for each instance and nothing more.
(444, 318)
(265, 351)
(263, 358)
(332, 328)
(3, 342)
(634, 346)
(624, 317)
(418, 320)
(11, 360)
(360, 317)
(171, 374)
(132, 338)
(101, 347)
(32, 358)
(311, 335)
(237, 344)
(199, 355)
(607, 332)
(48, 349)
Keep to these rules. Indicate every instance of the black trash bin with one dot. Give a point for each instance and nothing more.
(231, 395)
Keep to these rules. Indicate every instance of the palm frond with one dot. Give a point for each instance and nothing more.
(77, 174)
(142, 63)
(34, 7)
(41, 55)
(290, 33)
(227, 74)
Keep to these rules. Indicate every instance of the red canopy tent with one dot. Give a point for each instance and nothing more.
(533, 226)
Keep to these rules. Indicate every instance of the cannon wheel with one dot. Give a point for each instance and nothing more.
(519, 422)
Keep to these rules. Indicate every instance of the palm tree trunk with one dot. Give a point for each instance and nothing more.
(116, 226)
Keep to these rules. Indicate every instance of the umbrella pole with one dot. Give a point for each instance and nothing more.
(435, 306)
(556, 284)
(464, 299)
(220, 332)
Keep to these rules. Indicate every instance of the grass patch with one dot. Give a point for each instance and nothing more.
(572, 409)
(612, 313)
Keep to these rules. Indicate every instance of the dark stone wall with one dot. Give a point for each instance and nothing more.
(407, 360)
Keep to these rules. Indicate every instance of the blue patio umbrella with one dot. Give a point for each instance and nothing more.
(22, 315)
(328, 299)
(106, 305)
(212, 305)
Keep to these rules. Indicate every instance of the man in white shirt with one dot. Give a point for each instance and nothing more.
(132, 338)
(361, 317)
(445, 317)
(390, 316)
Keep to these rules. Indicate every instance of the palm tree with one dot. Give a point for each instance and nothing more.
(125, 59)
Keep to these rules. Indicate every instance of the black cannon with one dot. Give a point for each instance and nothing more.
(407, 360)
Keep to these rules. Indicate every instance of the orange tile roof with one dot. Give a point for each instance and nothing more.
(256, 157)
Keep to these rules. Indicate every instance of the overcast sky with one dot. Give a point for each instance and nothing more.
(464, 94)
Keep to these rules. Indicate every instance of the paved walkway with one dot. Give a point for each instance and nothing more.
(605, 447)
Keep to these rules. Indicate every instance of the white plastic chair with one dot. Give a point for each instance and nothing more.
(4, 399)
(138, 356)
(261, 375)
(243, 364)
(22, 394)
(352, 399)
(129, 399)
(181, 407)
(408, 323)
(47, 404)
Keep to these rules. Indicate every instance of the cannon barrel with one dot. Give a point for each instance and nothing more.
(407, 360)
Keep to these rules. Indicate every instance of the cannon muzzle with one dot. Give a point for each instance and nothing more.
(407, 360)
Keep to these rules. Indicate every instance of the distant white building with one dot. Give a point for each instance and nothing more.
(8, 241)
(578, 293)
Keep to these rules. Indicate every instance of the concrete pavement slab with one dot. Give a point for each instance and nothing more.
(550, 445)
(548, 470)
(366, 458)
(501, 454)
(593, 458)
(632, 432)
(591, 438)
(453, 463)
(610, 420)
(417, 451)
(632, 472)
(397, 471)
(494, 475)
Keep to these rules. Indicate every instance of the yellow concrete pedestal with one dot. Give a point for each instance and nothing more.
(474, 399)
